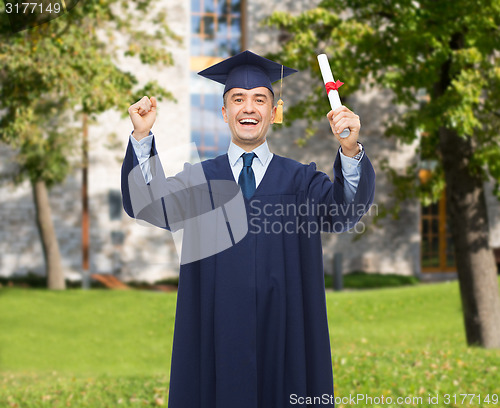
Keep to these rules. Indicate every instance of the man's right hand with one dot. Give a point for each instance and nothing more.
(143, 116)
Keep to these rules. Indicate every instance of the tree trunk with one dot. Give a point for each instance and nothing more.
(468, 216)
(53, 267)
(477, 271)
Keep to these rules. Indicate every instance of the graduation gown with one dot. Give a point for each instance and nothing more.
(251, 327)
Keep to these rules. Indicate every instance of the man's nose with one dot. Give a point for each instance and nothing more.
(249, 106)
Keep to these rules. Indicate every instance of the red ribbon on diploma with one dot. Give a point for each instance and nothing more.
(333, 86)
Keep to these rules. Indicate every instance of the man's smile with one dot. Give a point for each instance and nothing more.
(248, 122)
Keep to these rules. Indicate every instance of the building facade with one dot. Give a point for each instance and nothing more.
(417, 244)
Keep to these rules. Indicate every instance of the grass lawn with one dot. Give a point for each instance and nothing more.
(104, 348)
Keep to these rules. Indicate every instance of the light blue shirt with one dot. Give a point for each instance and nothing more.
(259, 164)
(351, 167)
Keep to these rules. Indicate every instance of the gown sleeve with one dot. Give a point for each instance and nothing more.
(150, 196)
(334, 213)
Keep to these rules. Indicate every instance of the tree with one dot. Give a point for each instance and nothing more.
(447, 51)
(63, 72)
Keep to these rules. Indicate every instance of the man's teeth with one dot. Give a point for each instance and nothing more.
(249, 121)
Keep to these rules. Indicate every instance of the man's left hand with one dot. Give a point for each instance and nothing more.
(340, 119)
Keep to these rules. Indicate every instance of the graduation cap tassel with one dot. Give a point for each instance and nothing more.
(279, 110)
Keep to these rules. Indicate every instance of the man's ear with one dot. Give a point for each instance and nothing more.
(273, 114)
(224, 114)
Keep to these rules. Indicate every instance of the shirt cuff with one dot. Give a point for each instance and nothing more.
(143, 147)
(350, 164)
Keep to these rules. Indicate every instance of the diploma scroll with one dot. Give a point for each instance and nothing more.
(331, 86)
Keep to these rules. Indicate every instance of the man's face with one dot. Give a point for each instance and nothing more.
(249, 112)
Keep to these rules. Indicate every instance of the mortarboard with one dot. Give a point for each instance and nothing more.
(248, 70)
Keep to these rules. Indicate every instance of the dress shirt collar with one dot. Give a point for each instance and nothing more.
(234, 152)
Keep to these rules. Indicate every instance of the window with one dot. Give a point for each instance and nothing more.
(215, 35)
(115, 204)
(437, 251)
(437, 245)
(215, 28)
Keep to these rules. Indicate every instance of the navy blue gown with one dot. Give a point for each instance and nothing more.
(251, 326)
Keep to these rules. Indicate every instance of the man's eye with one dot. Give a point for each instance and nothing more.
(260, 100)
(238, 100)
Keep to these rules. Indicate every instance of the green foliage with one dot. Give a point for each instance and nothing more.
(438, 59)
(32, 280)
(53, 73)
(363, 280)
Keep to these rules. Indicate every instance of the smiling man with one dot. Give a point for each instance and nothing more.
(249, 114)
(251, 327)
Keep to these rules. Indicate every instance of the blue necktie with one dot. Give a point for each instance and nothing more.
(246, 179)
